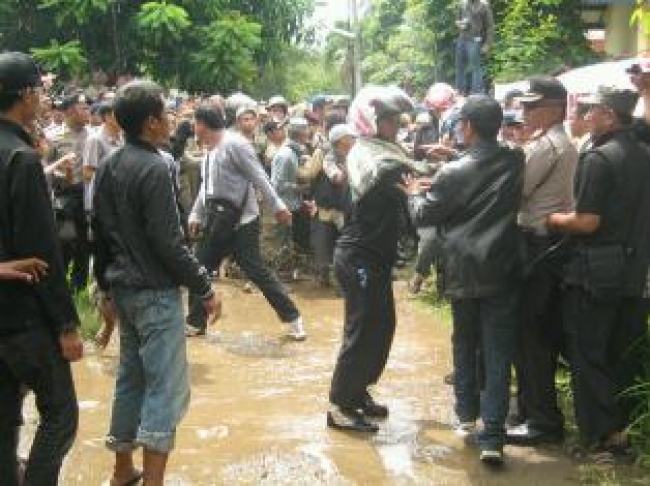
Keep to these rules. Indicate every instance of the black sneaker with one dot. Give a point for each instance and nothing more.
(373, 409)
(349, 419)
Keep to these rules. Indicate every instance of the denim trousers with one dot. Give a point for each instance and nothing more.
(152, 390)
(468, 58)
(487, 324)
(247, 253)
(33, 359)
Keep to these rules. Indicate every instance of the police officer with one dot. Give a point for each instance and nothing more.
(69, 190)
(38, 321)
(551, 159)
(606, 273)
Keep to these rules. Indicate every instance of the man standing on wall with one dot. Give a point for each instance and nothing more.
(476, 25)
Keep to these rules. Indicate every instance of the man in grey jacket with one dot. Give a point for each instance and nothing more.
(231, 173)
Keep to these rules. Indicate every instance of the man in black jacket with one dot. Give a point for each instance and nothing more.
(365, 255)
(474, 201)
(605, 278)
(38, 321)
(142, 261)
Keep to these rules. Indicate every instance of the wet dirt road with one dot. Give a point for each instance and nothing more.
(258, 408)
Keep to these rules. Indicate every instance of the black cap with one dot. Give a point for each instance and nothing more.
(622, 101)
(74, 99)
(544, 88)
(17, 72)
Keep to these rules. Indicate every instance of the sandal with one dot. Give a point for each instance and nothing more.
(135, 480)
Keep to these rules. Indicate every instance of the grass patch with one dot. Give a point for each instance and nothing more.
(433, 301)
(88, 315)
(588, 474)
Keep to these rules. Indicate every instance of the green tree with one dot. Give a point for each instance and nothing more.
(67, 59)
(159, 38)
(79, 11)
(539, 36)
(410, 42)
(641, 16)
(226, 57)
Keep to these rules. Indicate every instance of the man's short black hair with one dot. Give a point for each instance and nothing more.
(135, 103)
(333, 119)
(8, 100)
(210, 117)
(104, 109)
(484, 114)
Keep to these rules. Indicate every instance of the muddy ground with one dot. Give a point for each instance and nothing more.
(258, 408)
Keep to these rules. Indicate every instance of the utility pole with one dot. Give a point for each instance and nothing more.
(353, 18)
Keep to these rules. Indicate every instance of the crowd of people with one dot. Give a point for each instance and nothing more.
(538, 238)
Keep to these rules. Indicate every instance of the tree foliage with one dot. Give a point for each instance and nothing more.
(196, 44)
(539, 36)
(641, 16)
(226, 54)
(67, 59)
(412, 42)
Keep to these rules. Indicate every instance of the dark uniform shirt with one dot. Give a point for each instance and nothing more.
(27, 230)
(612, 182)
(610, 186)
(372, 223)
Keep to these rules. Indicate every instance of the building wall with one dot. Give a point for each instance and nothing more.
(621, 40)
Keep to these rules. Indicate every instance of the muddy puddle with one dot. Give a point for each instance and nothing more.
(257, 415)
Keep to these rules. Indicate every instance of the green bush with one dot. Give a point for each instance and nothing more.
(640, 427)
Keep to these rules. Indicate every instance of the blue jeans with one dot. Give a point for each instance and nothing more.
(468, 56)
(486, 324)
(152, 391)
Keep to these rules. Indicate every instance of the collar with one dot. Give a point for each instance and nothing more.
(136, 142)
(482, 148)
(603, 139)
(17, 130)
